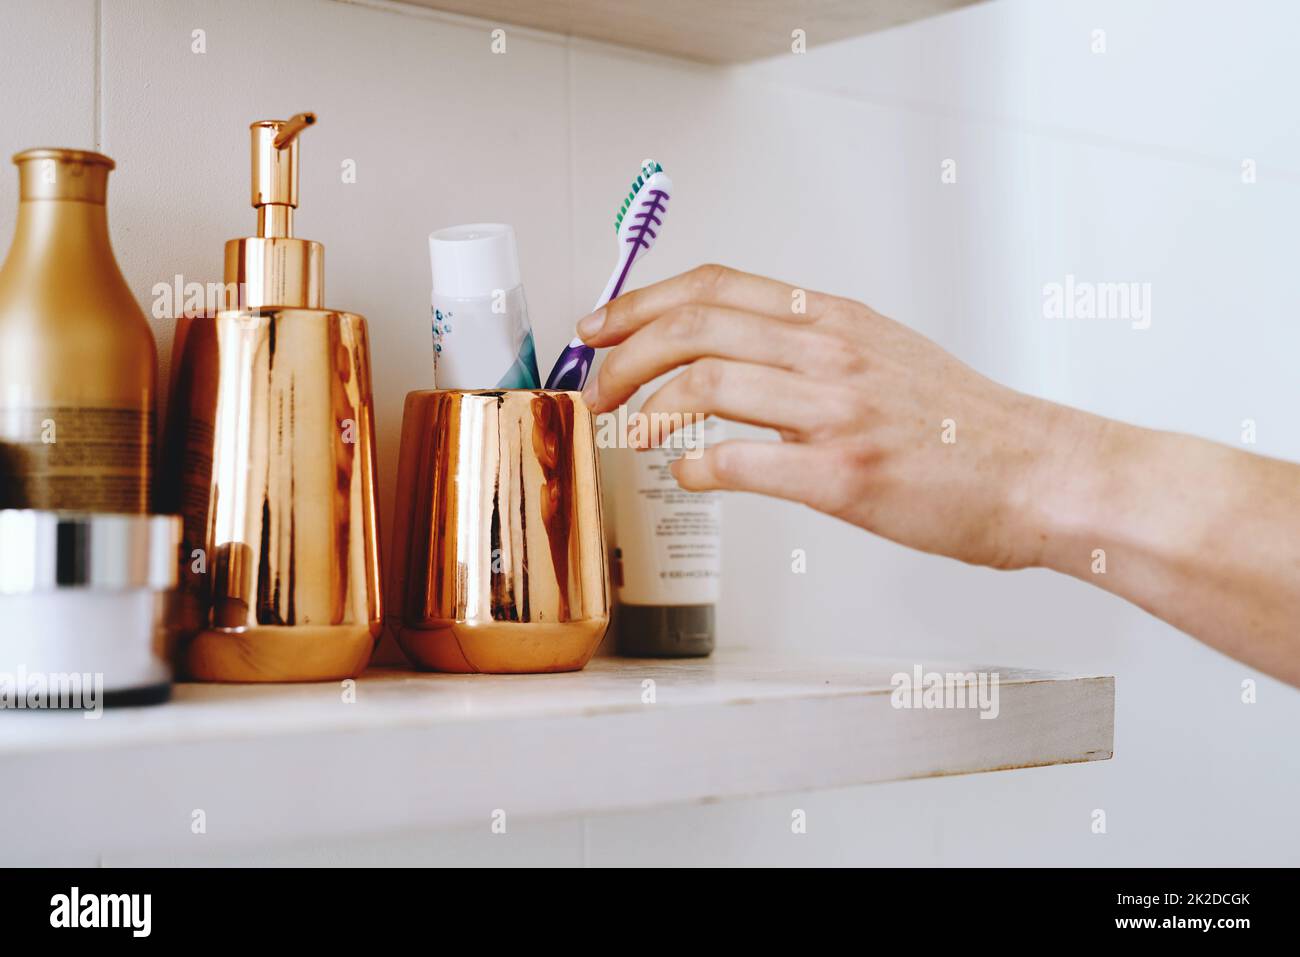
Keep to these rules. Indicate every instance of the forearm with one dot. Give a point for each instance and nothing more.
(1201, 535)
(882, 428)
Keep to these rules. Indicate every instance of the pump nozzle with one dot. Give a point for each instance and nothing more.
(292, 127)
(275, 173)
(273, 268)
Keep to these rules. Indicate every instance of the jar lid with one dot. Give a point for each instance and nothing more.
(46, 550)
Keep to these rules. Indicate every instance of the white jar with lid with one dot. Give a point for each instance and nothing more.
(85, 594)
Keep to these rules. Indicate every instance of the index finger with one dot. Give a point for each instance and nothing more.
(704, 285)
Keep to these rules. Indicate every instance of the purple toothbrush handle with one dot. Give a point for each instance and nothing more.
(570, 372)
(574, 364)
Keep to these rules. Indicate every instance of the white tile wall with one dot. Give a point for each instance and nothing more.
(821, 169)
(47, 85)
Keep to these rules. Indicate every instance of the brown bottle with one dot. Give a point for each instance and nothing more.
(77, 357)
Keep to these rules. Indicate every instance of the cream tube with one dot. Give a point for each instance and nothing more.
(482, 338)
(667, 550)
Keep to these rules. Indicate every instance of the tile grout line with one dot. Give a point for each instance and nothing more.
(570, 113)
(99, 76)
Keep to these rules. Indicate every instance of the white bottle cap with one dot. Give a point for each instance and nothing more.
(473, 261)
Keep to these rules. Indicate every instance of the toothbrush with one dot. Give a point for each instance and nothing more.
(638, 224)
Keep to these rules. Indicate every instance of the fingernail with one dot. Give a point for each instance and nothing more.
(589, 326)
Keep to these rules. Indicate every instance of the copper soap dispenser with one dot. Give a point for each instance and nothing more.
(271, 452)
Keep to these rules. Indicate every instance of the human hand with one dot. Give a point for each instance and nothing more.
(878, 425)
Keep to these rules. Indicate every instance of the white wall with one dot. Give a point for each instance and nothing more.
(822, 169)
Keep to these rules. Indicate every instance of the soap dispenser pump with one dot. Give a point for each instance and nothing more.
(274, 268)
(272, 453)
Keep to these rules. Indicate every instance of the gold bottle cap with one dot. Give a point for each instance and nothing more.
(50, 173)
(273, 269)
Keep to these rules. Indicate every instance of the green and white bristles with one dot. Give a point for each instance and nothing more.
(648, 168)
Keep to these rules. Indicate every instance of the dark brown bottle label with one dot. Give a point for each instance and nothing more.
(76, 458)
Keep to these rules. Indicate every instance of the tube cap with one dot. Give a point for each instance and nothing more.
(665, 631)
(473, 261)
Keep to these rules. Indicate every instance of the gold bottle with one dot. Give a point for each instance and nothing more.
(77, 356)
(271, 447)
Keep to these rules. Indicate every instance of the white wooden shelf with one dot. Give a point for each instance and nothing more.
(295, 763)
(716, 31)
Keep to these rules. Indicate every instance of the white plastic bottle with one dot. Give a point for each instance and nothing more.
(667, 550)
(482, 338)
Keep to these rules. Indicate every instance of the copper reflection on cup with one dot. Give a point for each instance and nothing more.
(498, 561)
(271, 462)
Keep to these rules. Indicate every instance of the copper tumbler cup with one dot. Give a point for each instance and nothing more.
(498, 561)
